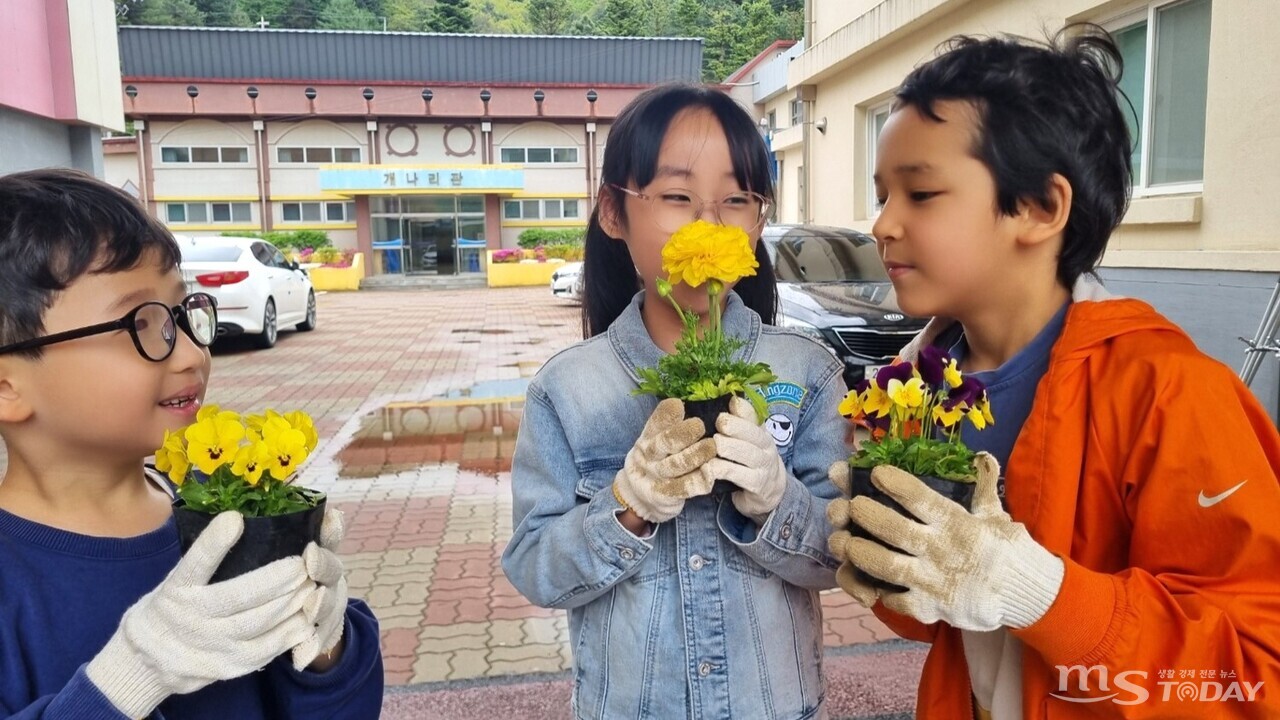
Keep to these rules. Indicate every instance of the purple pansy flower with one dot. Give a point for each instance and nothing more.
(932, 361)
(901, 372)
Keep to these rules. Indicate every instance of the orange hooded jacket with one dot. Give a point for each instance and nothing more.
(1133, 435)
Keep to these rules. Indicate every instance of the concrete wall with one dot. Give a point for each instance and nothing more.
(1216, 308)
(31, 142)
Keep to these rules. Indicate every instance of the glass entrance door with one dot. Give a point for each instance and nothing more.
(431, 245)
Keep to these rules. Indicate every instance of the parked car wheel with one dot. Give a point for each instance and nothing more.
(310, 323)
(267, 338)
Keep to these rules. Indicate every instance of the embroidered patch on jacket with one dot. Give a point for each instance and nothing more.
(781, 428)
(784, 392)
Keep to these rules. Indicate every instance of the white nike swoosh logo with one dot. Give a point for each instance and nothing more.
(1206, 501)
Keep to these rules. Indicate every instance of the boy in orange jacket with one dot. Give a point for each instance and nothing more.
(1132, 568)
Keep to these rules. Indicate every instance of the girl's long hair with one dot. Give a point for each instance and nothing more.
(609, 275)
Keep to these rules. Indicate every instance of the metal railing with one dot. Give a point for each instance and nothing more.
(1264, 341)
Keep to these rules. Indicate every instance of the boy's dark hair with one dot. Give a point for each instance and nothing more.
(1043, 108)
(57, 225)
(609, 274)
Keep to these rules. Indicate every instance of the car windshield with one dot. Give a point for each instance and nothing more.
(210, 253)
(808, 255)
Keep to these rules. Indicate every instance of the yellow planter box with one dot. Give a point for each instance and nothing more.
(325, 278)
(518, 274)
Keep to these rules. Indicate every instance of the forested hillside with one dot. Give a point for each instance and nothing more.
(733, 31)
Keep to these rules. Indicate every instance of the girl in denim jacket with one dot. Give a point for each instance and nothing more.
(683, 602)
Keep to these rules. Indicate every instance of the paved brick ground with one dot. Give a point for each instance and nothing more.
(416, 398)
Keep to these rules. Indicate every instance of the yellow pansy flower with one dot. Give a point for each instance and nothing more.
(302, 423)
(909, 394)
(251, 461)
(171, 458)
(701, 251)
(947, 418)
(951, 372)
(851, 405)
(876, 400)
(287, 445)
(977, 418)
(985, 406)
(214, 440)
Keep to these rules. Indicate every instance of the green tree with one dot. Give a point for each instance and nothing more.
(406, 15)
(302, 14)
(218, 13)
(724, 47)
(451, 16)
(659, 16)
(621, 18)
(347, 15)
(760, 29)
(270, 10)
(548, 17)
(500, 17)
(170, 12)
(688, 18)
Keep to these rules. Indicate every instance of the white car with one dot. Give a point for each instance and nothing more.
(567, 281)
(257, 289)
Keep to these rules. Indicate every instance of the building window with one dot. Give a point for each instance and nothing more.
(208, 212)
(773, 120)
(797, 112)
(550, 209)
(318, 212)
(203, 154)
(317, 155)
(1166, 79)
(876, 118)
(539, 155)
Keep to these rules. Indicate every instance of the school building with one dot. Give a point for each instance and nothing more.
(59, 75)
(1201, 240)
(426, 148)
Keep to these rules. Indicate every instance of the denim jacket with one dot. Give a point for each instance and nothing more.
(708, 616)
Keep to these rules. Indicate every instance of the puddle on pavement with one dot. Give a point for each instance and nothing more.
(473, 427)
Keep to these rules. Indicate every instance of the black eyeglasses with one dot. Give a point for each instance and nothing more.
(153, 327)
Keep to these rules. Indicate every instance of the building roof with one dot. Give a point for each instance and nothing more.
(776, 47)
(355, 56)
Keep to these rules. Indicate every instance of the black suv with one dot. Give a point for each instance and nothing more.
(832, 285)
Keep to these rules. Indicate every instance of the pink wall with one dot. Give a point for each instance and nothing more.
(35, 58)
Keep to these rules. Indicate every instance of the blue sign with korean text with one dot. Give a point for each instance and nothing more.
(390, 179)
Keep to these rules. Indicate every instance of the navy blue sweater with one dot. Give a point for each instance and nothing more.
(62, 596)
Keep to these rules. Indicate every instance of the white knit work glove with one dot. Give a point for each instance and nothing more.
(326, 608)
(187, 634)
(838, 541)
(747, 456)
(663, 468)
(976, 570)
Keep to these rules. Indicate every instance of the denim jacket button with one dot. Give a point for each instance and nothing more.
(785, 532)
(704, 669)
(627, 553)
(697, 562)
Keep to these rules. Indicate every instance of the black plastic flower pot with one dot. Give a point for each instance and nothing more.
(707, 411)
(265, 539)
(958, 491)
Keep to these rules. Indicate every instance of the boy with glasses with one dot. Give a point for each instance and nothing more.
(101, 352)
